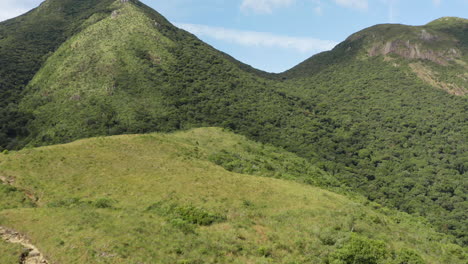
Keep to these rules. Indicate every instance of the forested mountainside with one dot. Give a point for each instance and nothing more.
(26, 42)
(164, 198)
(384, 113)
(399, 137)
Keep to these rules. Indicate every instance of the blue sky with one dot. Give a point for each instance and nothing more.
(275, 35)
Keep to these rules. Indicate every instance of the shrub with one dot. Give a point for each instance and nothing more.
(187, 213)
(359, 250)
(197, 216)
(407, 256)
(103, 203)
(183, 226)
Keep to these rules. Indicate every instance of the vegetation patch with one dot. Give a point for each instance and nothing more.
(11, 197)
(181, 215)
(10, 253)
(362, 250)
(102, 203)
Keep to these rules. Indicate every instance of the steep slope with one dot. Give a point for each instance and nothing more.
(158, 197)
(142, 73)
(398, 140)
(25, 43)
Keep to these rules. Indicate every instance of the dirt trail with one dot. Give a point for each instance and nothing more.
(31, 254)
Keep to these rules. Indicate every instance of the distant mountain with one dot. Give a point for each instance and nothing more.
(436, 52)
(164, 198)
(384, 113)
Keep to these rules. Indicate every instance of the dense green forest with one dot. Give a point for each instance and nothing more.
(368, 121)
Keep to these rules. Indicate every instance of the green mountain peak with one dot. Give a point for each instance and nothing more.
(448, 21)
(431, 52)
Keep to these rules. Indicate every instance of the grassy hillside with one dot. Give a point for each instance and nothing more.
(27, 41)
(141, 198)
(10, 253)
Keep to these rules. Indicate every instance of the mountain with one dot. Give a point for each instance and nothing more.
(29, 40)
(162, 197)
(384, 113)
(435, 52)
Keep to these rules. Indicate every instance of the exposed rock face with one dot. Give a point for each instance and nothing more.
(30, 255)
(115, 13)
(426, 36)
(409, 50)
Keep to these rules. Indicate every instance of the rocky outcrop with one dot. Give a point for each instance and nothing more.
(6, 180)
(426, 36)
(31, 254)
(410, 50)
(115, 14)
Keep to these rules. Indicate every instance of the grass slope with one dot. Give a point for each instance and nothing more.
(10, 253)
(159, 198)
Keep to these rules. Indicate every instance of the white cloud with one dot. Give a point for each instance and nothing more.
(437, 2)
(260, 39)
(268, 6)
(318, 10)
(264, 6)
(355, 4)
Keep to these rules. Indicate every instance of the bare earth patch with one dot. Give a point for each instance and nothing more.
(429, 77)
